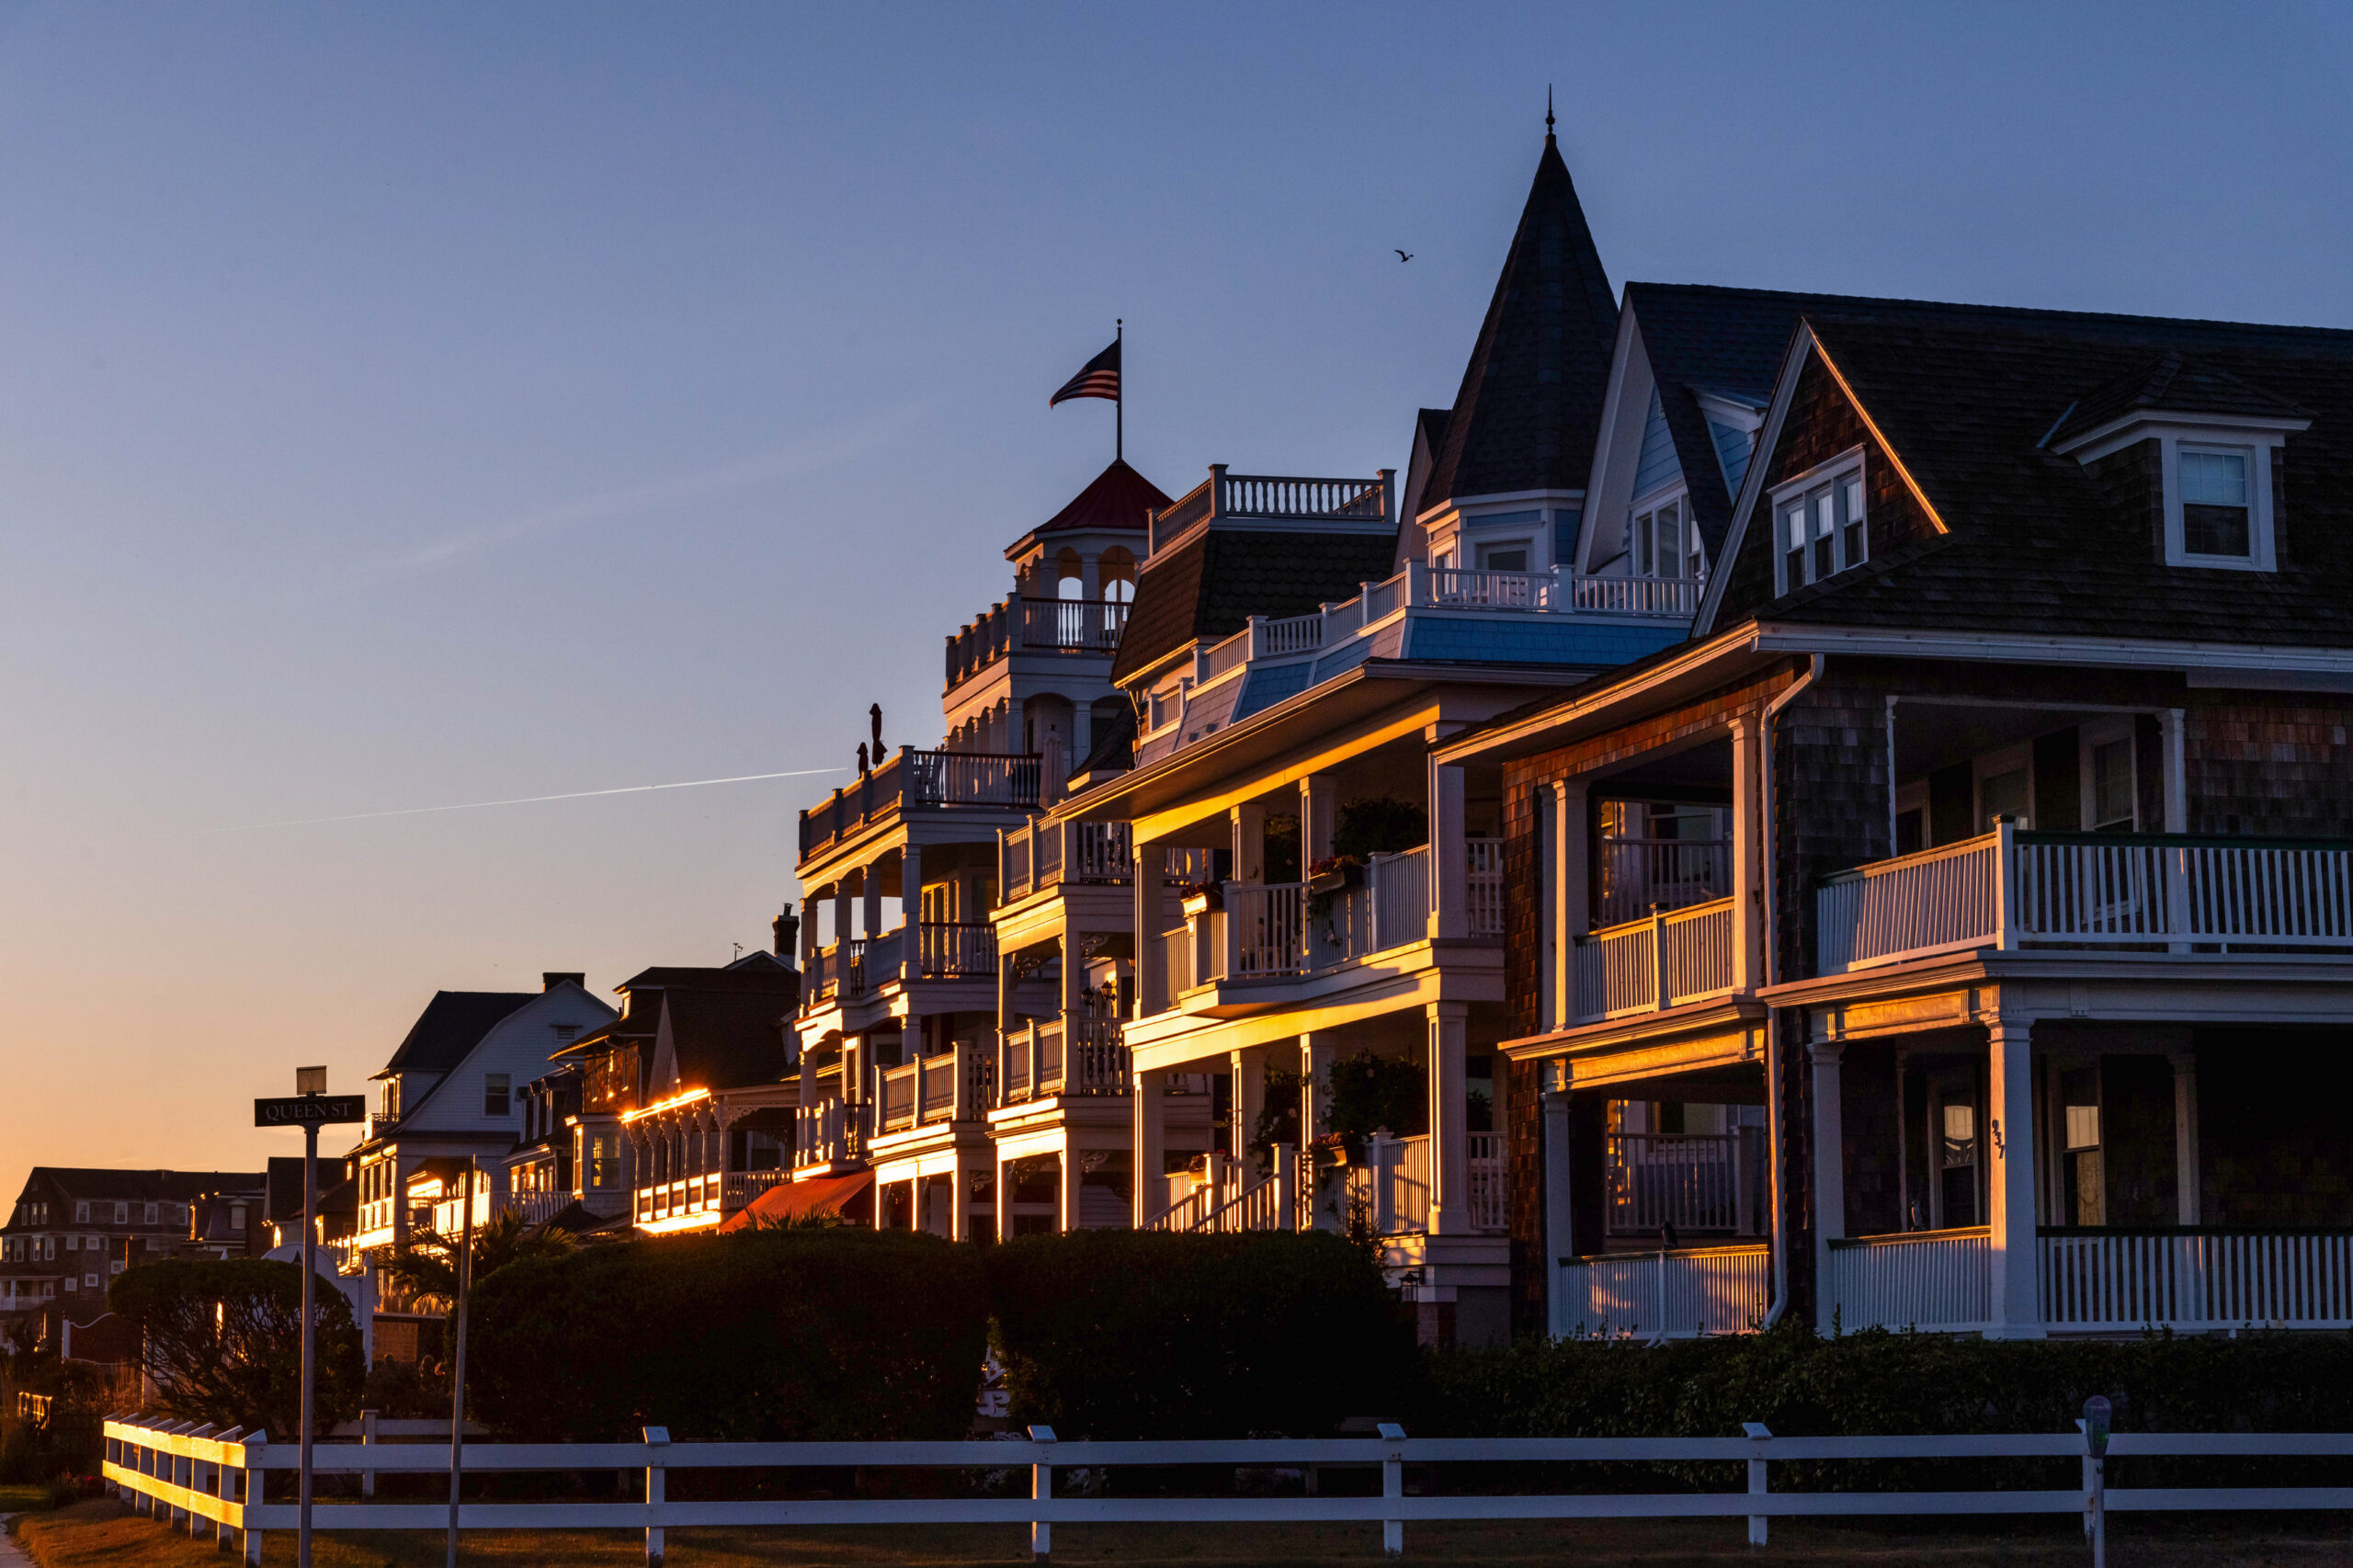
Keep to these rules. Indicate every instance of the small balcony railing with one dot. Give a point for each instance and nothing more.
(831, 1132)
(1660, 962)
(944, 949)
(1022, 624)
(1042, 853)
(1277, 498)
(924, 781)
(1686, 1293)
(537, 1207)
(1693, 1182)
(2010, 888)
(953, 1086)
(1073, 1054)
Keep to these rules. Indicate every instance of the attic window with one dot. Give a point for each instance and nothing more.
(1820, 524)
(2217, 517)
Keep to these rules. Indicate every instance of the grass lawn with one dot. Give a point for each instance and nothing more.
(103, 1533)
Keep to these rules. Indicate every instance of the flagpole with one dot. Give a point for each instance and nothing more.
(1120, 403)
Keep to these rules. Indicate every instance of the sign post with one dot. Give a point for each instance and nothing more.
(311, 1108)
(2098, 1416)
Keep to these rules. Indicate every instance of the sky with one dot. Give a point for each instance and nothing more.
(409, 406)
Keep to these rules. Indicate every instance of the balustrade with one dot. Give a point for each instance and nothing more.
(1042, 853)
(1935, 1281)
(1692, 1181)
(1682, 1294)
(917, 781)
(1648, 965)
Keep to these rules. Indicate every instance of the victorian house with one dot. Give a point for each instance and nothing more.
(72, 1230)
(1926, 940)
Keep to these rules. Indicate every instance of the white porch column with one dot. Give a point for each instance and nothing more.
(1150, 1144)
(1450, 857)
(1250, 843)
(1066, 1211)
(1152, 979)
(2169, 725)
(1571, 877)
(1829, 1172)
(910, 911)
(1319, 810)
(2009, 1115)
(1748, 901)
(1559, 1232)
(2185, 1138)
(1450, 1024)
(1317, 1049)
(1249, 1066)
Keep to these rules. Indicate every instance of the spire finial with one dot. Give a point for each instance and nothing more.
(1548, 116)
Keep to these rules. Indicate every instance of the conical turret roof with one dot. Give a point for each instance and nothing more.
(1530, 403)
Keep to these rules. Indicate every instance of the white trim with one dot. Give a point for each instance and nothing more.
(1616, 449)
(2030, 648)
(2262, 555)
(2139, 426)
(1499, 501)
(1832, 477)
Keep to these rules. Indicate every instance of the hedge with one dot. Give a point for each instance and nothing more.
(1125, 1333)
(221, 1339)
(792, 1335)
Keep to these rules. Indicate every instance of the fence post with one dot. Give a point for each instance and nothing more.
(1393, 1484)
(225, 1489)
(367, 1440)
(198, 1480)
(656, 1439)
(1757, 1523)
(1659, 989)
(252, 1486)
(1042, 1486)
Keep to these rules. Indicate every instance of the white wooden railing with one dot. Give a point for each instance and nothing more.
(2009, 890)
(961, 949)
(1264, 930)
(1392, 1185)
(1490, 1197)
(1484, 860)
(536, 1208)
(1932, 1280)
(738, 1188)
(1399, 887)
(831, 1130)
(1071, 1054)
(1673, 873)
(2120, 1282)
(1082, 626)
(1681, 1294)
(215, 1486)
(1691, 1181)
(1619, 971)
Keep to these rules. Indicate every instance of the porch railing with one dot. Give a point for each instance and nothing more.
(1938, 1281)
(738, 1188)
(536, 1208)
(1392, 1185)
(1686, 1293)
(2121, 1282)
(1692, 1181)
(1663, 960)
(1673, 873)
(832, 1130)
(1486, 885)
(924, 781)
(952, 949)
(1040, 854)
(1490, 1198)
(2009, 889)
(1399, 888)
(1073, 1054)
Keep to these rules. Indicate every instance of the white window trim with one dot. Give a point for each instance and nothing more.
(1639, 514)
(1825, 472)
(2089, 738)
(2263, 554)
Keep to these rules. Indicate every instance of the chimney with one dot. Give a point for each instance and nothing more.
(552, 978)
(788, 935)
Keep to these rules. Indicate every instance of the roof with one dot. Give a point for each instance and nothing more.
(1115, 743)
(452, 1024)
(726, 1040)
(1212, 585)
(82, 1181)
(774, 978)
(1530, 403)
(1965, 397)
(1429, 439)
(1118, 497)
(2176, 385)
(282, 1198)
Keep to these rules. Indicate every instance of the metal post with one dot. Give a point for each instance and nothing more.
(1757, 1523)
(1393, 1484)
(656, 1439)
(458, 1361)
(310, 1349)
(1042, 1486)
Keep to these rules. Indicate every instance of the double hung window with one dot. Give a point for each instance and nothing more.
(1661, 542)
(2217, 503)
(1822, 527)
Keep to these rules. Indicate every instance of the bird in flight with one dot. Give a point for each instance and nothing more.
(1402, 256)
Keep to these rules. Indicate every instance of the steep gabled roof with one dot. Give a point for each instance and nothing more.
(1212, 585)
(452, 1024)
(771, 978)
(724, 1040)
(1530, 401)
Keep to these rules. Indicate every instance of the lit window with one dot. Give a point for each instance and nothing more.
(1823, 529)
(2216, 516)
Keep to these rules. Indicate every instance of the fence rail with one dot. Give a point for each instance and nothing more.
(215, 1486)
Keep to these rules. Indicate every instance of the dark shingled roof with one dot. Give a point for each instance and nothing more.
(773, 979)
(1429, 440)
(2176, 385)
(1965, 396)
(1119, 498)
(451, 1025)
(1115, 743)
(1211, 585)
(1530, 403)
(726, 1040)
(181, 1187)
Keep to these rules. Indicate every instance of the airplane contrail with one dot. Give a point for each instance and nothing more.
(531, 799)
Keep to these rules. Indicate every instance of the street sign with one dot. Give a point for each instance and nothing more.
(310, 1110)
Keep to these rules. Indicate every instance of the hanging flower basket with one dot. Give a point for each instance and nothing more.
(1201, 897)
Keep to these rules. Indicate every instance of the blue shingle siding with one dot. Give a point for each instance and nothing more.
(1347, 656)
(1657, 465)
(1535, 639)
(1565, 522)
(1497, 519)
(1731, 450)
(1263, 688)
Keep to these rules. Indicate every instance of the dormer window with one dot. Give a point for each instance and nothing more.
(2217, 503)
(1662, 541)
(1821, 523)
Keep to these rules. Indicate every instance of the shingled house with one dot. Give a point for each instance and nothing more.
(72, 1230)
(2022, 699)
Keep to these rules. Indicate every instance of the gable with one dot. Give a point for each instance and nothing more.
(1656, 466)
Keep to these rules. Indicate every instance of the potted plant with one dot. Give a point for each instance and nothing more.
(1334, 873)
(1200, 898)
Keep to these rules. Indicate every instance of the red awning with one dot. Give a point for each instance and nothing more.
(798, 1200)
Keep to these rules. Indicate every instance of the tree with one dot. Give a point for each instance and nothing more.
(427, 1267)
(223, 1341)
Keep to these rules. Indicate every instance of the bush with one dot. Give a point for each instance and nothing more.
(780, 1335)
(223, 1341)
(1125, 1333)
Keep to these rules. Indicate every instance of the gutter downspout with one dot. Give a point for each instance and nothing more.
(1775, 1136)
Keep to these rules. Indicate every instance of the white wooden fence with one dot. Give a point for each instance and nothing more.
(1935, 1281)
(212, 1486)
(2197, 1279)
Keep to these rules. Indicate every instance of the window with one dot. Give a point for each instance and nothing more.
(70, 1282)
(81, 1214)
(73, 1243)
(2112, 794)
(1662, 541)
(2009, 793)
(154, 1214)
(1822, 527)
(596, 1161)
(89, 1282)
(2217, 513)
(2085, 1197)
(495, 1099)
(1512, 557)
(122, 1213)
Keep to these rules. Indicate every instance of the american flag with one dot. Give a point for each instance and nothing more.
(1098, 378)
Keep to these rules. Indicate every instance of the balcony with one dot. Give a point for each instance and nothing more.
(955, 1085)
(1691, 1182)
(923, 781)
(2150, 892)
(703, 1199)
(1089, 627)
(1422, 612)
(834, 1131)
(1284, 930)
(1041, 854)
(1276, 500)
(943, 949)
(1659, 962)
(1073, 1054)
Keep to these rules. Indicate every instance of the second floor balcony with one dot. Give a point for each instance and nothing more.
(2014, 890)
(952, 1086)
(923, 781)
(1079, 628)
(1071, 1054)
(942, 949)
(1041, 854)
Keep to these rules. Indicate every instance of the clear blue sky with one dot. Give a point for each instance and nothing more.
(403, 406)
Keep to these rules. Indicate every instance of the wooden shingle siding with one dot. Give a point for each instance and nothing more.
(2131, 482)
(2269, 763)
(2271, 1127)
